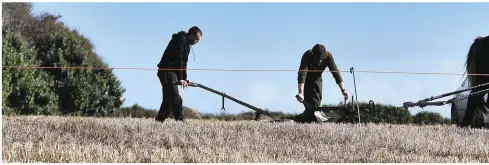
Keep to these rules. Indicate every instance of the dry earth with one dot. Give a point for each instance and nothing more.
(75, 139)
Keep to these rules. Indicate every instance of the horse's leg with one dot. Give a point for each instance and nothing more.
(485, 106)
(479, 114)
(475, 104)
(472, 105)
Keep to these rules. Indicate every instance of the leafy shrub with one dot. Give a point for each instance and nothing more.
(43, 40)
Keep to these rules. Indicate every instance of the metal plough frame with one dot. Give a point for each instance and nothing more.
(335, 114)
(338, 114)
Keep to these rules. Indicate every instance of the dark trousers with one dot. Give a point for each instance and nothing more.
(172, 101)
(312, 96)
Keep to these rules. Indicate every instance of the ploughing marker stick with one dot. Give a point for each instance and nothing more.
(352, 71)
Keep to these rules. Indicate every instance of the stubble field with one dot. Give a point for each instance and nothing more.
(76, 139)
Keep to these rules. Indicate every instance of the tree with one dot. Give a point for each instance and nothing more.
(25, 91)
(45, 41)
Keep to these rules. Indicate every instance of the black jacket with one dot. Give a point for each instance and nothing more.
(176, 55)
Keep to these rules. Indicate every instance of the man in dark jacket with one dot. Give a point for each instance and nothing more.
(310, 83)
(173, 65)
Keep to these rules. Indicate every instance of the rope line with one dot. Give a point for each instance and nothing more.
(263, 70)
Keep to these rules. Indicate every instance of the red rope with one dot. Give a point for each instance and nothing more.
(254, 70)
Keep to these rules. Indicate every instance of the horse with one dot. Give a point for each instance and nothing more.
(477, 62)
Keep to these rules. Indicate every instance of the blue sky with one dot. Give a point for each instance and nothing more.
(424, 37)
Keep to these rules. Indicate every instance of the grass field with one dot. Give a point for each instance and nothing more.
(75, 139)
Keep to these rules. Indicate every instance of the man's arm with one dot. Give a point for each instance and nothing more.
(342, 88)
(301, 77)
(185, 71)
(336, 74)
(185, 60)
(334, 70)
(180, 62)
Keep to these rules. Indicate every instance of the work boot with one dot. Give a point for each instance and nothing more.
(162, 116)
(320, 116)
(159, 118)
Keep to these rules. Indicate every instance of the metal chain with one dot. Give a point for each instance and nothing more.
(452, 93)
(427, 102)
(469, 96)
(481, 85)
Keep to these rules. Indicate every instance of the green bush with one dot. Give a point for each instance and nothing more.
(429, 118)
(25, 91)
(45, 41)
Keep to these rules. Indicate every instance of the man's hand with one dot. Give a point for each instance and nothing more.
(345, 94)
(343, 90)
(300, 97)
(184, 83)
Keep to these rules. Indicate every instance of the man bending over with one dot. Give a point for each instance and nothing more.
(310, 83)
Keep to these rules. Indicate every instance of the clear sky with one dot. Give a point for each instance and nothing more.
(385, 37)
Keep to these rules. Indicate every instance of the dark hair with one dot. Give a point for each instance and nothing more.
(319, 52)
(194, 30)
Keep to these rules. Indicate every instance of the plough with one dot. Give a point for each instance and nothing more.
(337, 114)
(343, 113)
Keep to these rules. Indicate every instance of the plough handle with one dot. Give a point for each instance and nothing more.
(306, 104)
(258, 110)
(193, 84)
